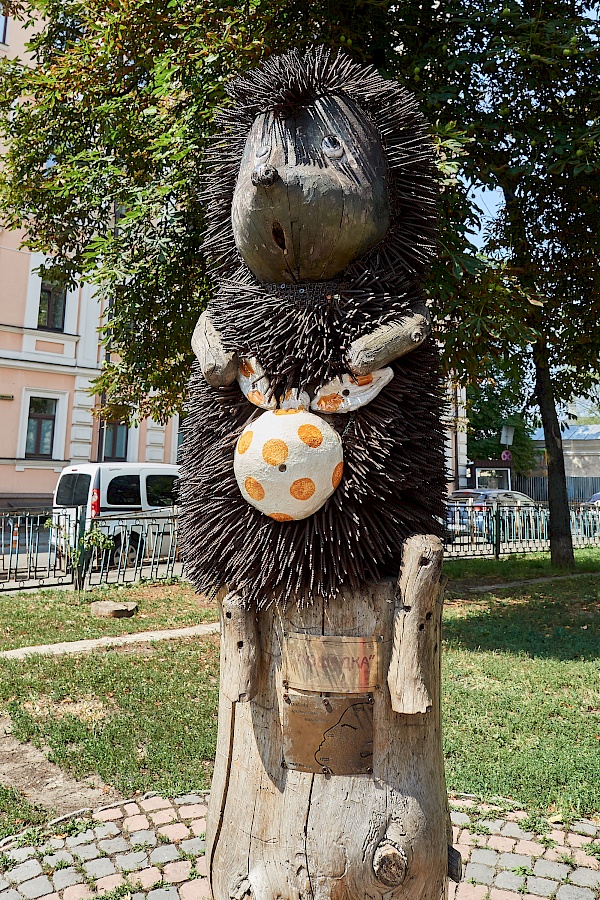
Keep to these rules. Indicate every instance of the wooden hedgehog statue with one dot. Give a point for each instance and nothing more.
(313, 469)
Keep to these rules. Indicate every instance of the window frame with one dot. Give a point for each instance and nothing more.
(3, 28)
(54, 293)
(112, 433)
(38, 418)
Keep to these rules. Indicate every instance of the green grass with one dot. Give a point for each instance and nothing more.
(17, 814)
(49, 616)
(142, 720)
(515, 568)
(521, 695)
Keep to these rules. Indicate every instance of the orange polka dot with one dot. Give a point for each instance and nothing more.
(364, 379)
(254, 489)
(330, 402)
(281, 517)
(275, 452)
(246, 369)
(245, 441)
(303, 489)
(256, 397)
(285, 412)
(337, 474)
(310, 435)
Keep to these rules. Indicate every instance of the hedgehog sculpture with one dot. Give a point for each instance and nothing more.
(313, 446)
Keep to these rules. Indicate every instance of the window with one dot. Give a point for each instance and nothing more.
(51, 312)
(160, 490)
(73, 490)
(3, 28)
(40, 427)
(115, 442)
(124, 490)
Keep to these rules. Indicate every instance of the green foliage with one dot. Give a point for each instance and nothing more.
(16, 813)
(490, 405)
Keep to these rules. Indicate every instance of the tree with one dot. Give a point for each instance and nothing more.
(110, 124)
(490, 405)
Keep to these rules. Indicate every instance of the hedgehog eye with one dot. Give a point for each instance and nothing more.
(263, 151)
(332, 147)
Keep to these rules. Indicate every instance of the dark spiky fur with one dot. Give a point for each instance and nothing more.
(394, 480)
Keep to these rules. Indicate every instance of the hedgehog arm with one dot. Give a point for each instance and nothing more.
(219, 366)
(382, 346)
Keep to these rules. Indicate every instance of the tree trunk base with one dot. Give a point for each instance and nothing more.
(325, 794)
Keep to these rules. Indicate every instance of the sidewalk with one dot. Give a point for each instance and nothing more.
(153, 849)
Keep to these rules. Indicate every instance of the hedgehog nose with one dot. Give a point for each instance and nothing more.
(264, 175)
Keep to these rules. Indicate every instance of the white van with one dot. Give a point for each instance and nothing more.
(116, 491)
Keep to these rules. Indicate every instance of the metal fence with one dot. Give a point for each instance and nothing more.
(579, 488)
(54, 548)
(498, 530)
(60, 548)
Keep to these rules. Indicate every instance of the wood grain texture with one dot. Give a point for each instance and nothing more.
(240, 650)
(219, 367)
(276, 834)
(388, 342)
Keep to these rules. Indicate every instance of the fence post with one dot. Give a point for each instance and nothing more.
(80, 553)
(497, 518)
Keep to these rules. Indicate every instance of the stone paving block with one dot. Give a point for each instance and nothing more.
(202, 866)
(558, 835)
(514, 861)
(198, 827)
(194, 845)
(163, 816)
(199, 889)
(166, 853)
(56, 843)
(176, 832)
(554, 853)
(114, 845)
(109, 829)
(145, 878)
(496, 894)
(37, 887)
(155, 803)
(188, 798)
(99, 868)
(84, 838)
(455, 833)
(54, 858)
(87, 851)
(24, 872)
(502, 844)
(485, 856)
(10, 895)
(64, 878)
(582, 859)
(135, 823)
(109, 883)
(77, 892)
(547, 869)
(571, 892)
(166, 893)
(108, 815)
(3, 884)
(529, 848)
(467, 891)
(480, 873)
(465, 837)
(194, 811)
(508, 881)
(130, 862)
(144, 838)
(177, 872)
(138, 896)
(511, 829)
(131, 809)
(494, 826)
(20, 854)
(576, 840)
(585, 878)
(541, 887)
(584, 828)
(459, 818)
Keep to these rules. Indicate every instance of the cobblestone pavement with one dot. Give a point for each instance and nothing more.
(152, 848)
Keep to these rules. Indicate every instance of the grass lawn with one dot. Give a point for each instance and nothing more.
(49, 616)
(521, 702)
(16, 813)
(515, 568)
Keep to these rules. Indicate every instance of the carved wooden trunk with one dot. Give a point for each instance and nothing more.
(329, 782)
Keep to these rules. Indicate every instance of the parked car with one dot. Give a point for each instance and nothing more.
(485, 498)
(595, 498)
(113, 493)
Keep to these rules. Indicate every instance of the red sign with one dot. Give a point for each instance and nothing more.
(506, 455)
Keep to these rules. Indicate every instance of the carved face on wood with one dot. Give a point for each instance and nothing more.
(312, 192)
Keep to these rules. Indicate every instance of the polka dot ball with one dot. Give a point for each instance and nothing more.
(287, 463)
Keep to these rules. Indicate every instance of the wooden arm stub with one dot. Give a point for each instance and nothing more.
(240, 650)
(388, 342)
(219, 366)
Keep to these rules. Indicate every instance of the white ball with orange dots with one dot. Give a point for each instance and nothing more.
(287, 463)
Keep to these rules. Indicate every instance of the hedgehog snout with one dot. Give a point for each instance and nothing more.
(264, 175)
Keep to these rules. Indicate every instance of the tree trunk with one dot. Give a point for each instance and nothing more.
(561, 541)
(326, 786)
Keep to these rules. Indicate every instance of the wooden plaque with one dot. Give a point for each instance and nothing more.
(332, 735)
(343, 665)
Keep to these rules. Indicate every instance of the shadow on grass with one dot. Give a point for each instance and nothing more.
(561, 624)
